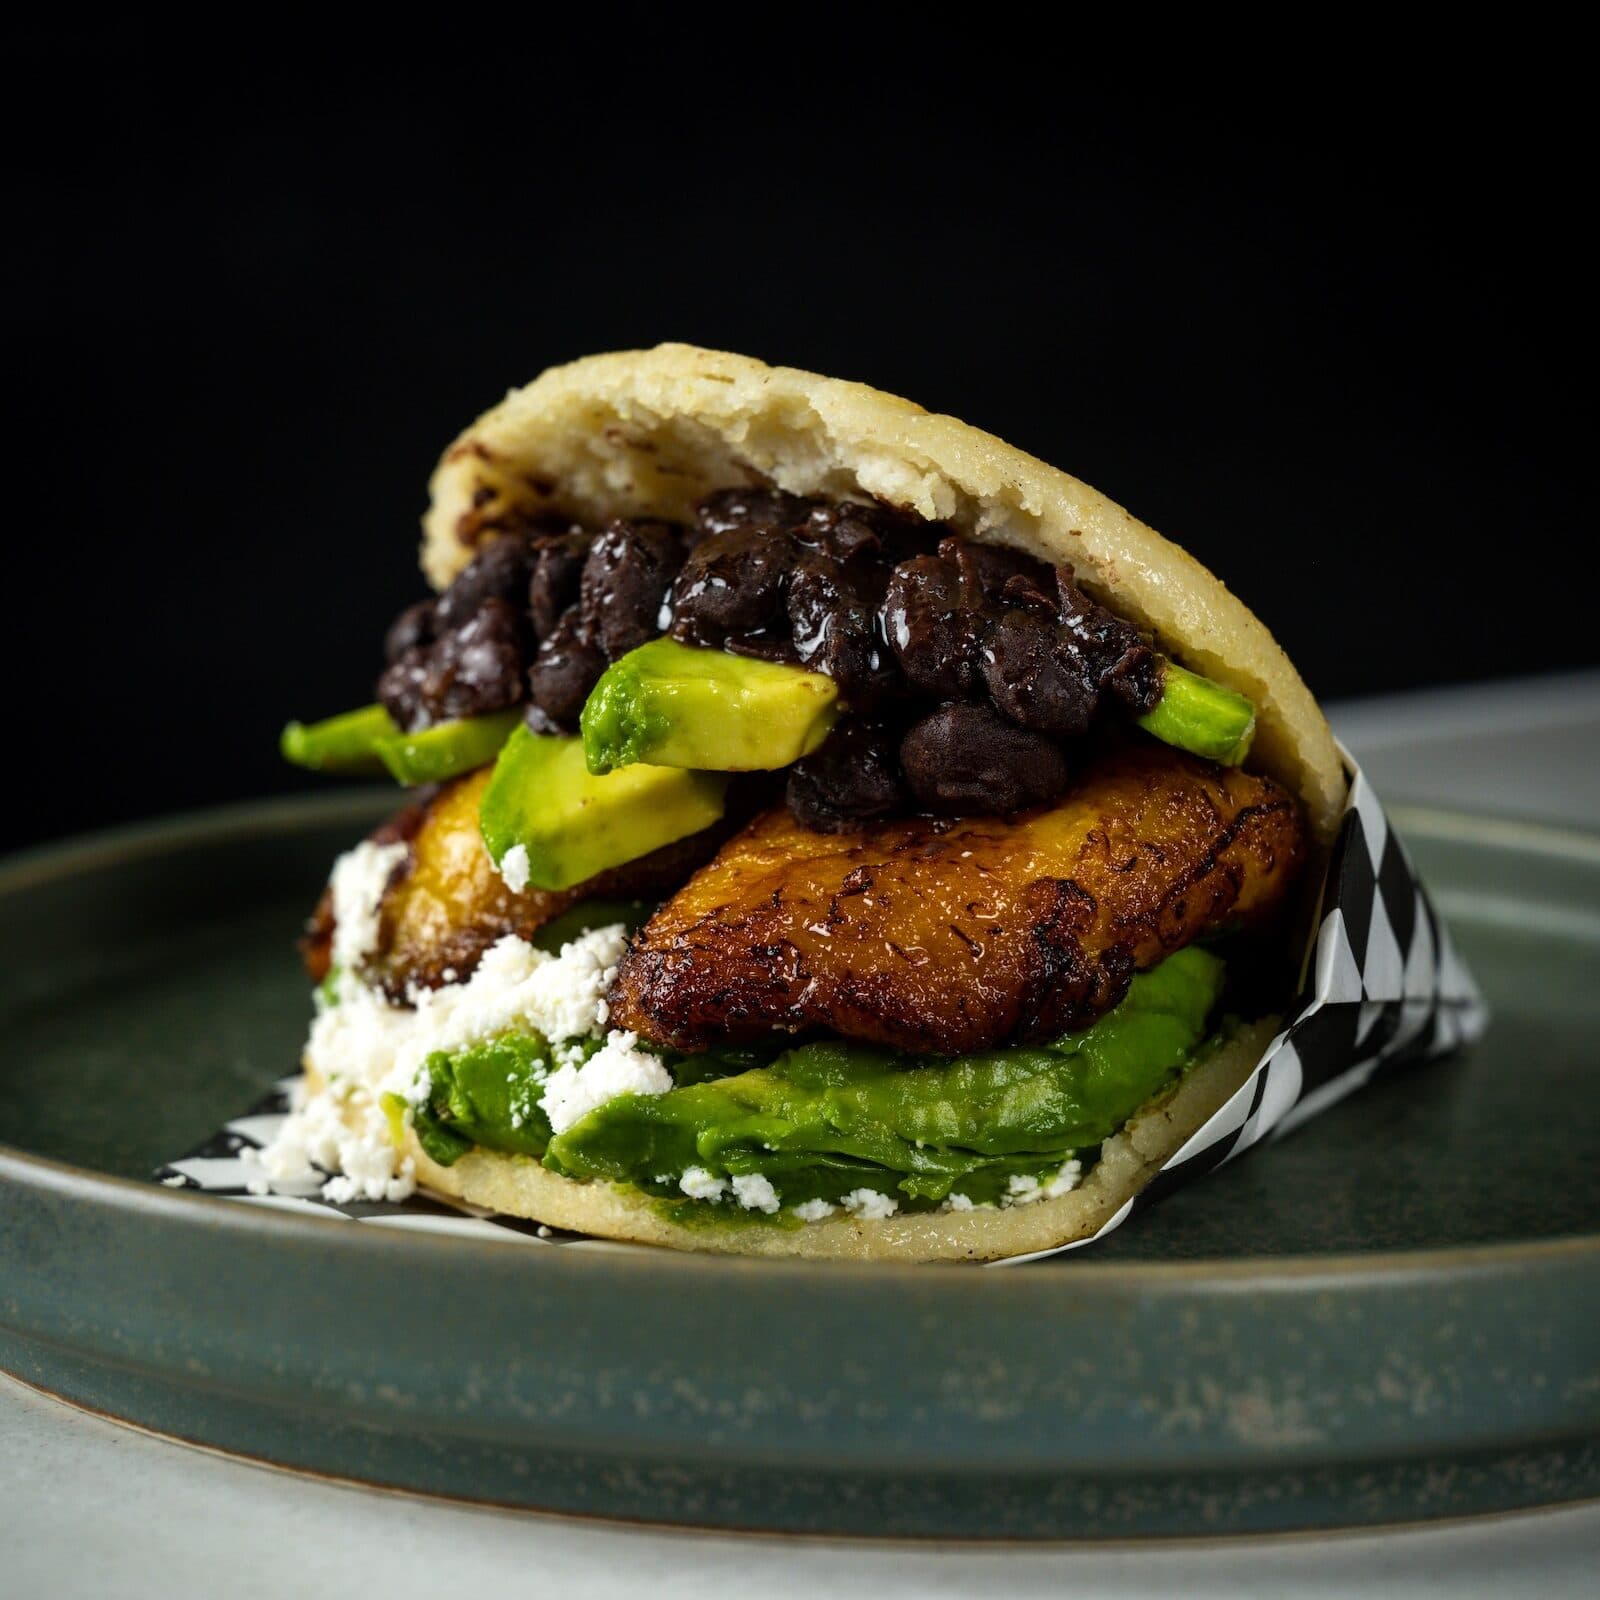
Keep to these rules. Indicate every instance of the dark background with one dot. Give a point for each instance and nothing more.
(1329, 338)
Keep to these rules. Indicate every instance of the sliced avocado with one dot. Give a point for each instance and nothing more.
(447, 749)
(672, 705)
(345, 743)
(1200, 716)
(368, 740)
(831, 1115)
(573, 824)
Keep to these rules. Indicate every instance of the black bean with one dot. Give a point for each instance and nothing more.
(846, 537)
(854, 778)
(413, 627)
(1000, 654)
(987, 570)
(813, 602)
(832, 610)
(626, 580)
(466, 672)
(400, 689)
(557, 567)
(567, 666)
(484, 660)
(1102, 637)
(966, 760)
(1025, 592)
(750, 508)
(732, 583)
(499, 571)
(854, 530)
(1115, 655)
(540, 721)
(933, 631)
(1135, 678)
(1032, 681)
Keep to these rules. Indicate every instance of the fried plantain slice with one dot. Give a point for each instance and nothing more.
(939, 936)
(449, 904)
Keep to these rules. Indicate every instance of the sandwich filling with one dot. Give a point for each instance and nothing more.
(964, 666)
(804, 860)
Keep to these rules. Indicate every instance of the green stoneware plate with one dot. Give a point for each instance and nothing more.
(1393, 1314)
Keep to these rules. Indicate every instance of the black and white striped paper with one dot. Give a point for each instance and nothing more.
(1383, 988)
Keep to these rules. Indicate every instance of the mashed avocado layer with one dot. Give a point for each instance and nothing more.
(834, 1122)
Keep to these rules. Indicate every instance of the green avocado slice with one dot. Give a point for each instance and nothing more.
(447, 749)
(572, 825)
(345, 743)
(486, 1094)
(920, 1127)
(674, 705)
(1199, 715)
(821, 1120)
(368, 740)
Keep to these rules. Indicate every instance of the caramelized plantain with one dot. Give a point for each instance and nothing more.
(947, 936)
(450, 905)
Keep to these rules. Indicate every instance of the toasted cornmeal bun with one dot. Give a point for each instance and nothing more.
(518, 1186)
(649, 432)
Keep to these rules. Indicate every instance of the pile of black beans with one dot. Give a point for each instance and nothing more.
(963, 666)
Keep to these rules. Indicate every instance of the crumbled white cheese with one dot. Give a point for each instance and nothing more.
(755, 1193)
(358, 881)
(365, 1046)
(340, 1136)
(813, 1210)
(870, 1205)
(699, 1184)
(1065, 1180)
(365, 1039)
(515, 987)
(370, 1174)
(958, 1202)
(1023, 1191)
(514, 868)
(618, 1067)
(289, 1166)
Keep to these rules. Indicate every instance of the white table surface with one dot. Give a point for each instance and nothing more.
(90, 1509)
